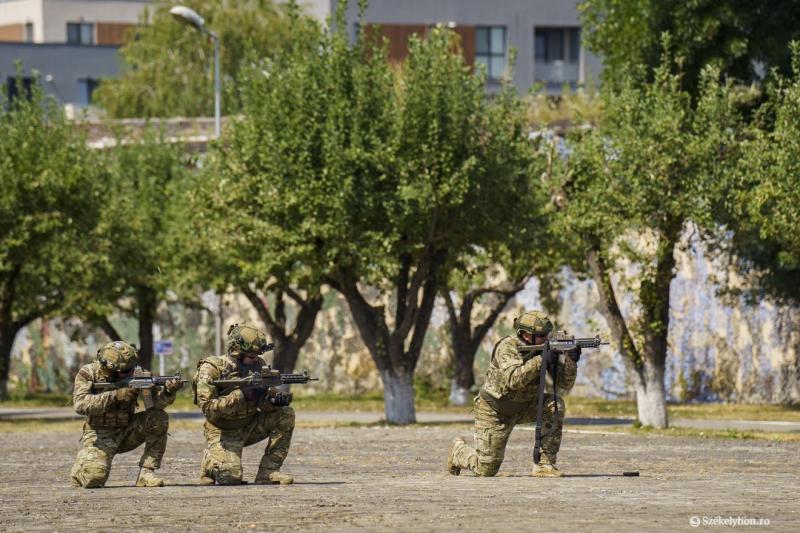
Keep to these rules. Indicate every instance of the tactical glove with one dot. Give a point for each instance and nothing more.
(172, 386)
(254, 394)
(126, 394)
(574, 353)
(278, 398)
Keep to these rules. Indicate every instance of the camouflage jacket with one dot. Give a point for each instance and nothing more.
(224, 409)
(102, 409)
(511, 377)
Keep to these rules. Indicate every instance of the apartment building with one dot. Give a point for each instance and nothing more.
(72, 44)
(76, 22)
(545, 33)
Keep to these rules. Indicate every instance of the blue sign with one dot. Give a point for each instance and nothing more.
(163, 347)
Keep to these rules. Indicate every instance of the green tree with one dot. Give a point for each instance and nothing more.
(145, 173)
(515, 244)
(52, 246)
(741, 38)
(169, 68)
(237, 222)
(629, 188)
(762, 198)
(366, 179)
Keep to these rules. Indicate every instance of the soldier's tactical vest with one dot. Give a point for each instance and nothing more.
(118, 414)
(242, 415)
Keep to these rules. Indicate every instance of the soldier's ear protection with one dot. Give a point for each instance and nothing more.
(230, 329)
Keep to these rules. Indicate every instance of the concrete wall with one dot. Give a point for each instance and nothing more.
(60, 65)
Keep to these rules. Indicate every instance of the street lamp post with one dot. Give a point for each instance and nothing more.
(189, 16)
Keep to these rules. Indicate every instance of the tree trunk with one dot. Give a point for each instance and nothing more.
(651, 405)
(287, 343)
(7, 335)
(464, 378)
(466, 340)
(398, 397)
(109, 329)
(648, 376)
(146, 301)
(655, 298)
(388, 348)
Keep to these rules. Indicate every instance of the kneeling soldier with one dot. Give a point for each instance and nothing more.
(239, 417)
(112, 425)
(509, 397)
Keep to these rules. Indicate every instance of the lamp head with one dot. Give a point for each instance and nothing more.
(187, 15)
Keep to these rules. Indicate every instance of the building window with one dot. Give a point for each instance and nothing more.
(556, 53)
(490, 50)
(19, 87)
(80, 33)
(29, 32)
(86, 88)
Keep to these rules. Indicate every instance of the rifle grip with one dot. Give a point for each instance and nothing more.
(147, 398)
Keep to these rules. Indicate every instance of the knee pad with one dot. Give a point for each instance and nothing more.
(91, 474)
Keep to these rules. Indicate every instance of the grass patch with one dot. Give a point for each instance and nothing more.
(40, 426)
(38, 399)
(727, 434)
(435, 400)
(736, 411)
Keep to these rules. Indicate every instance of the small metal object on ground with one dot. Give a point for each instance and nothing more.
(631, 474)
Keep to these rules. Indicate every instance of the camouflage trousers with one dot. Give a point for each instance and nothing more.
(493, 429)
(222, 458)
(100, 445)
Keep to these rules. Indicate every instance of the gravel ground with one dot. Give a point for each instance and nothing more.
(393, 478)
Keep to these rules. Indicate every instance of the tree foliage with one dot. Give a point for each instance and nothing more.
(344, 171)
(145, 177)
(630, 187)
(763, 196)
(740, 38)
(169, 67)
(52, 240)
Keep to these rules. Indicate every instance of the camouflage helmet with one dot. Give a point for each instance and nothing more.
(533, 322)
(118, 356)
(245, 339)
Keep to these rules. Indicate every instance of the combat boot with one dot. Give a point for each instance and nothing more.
(267, 477)
(147, 478)
(451, 456)
(206, 481)
(546, 470)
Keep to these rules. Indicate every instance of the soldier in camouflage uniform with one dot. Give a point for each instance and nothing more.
(242, 416)
(112, 425)
(509, 397)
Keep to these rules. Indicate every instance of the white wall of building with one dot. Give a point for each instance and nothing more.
(23, 12)
(58, 12)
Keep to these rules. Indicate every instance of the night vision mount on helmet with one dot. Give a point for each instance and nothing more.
(246, 340)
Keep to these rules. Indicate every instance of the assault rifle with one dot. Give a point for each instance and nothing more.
(550, 350)
(142, 380)
(268, 377)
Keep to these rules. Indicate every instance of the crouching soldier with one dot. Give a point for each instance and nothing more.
(112, 426)
(239, 417)
(509, 397)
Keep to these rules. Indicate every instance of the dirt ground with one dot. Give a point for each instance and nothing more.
(389, 478)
